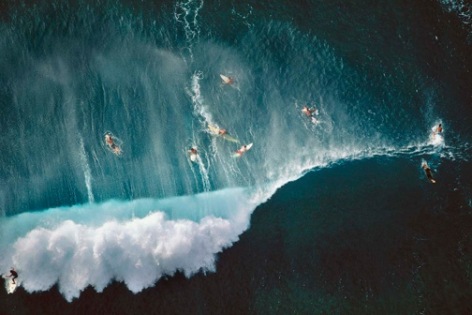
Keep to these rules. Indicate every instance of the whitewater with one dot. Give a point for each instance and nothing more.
(76, 215)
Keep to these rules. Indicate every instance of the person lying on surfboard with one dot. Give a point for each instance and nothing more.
(243, 149)
(226, 80)
(193, 154)
(309, 112)
(428, 172)
(13, 274)
(222, 132)
(111, 144)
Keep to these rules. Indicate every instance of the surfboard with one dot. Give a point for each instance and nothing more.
(193, 157)
(239, 154)
(226, 80)
(229, 138)
(214, 130)
(9, 285)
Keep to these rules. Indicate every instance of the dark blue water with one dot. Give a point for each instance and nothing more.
(329, 218)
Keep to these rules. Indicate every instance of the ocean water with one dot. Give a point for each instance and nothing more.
(332, 217)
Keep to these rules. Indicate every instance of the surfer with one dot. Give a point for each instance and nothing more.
(309, 112)
(111, 143)
(227, 80)
(193, 154)
(222, 132)
(13, 274)
(428, 172)
(242, 150)
(437, 129)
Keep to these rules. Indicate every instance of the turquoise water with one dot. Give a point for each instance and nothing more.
(335, 217)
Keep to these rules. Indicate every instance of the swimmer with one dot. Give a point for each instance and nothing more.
(111, 144)
(192, 150)
(428, 172)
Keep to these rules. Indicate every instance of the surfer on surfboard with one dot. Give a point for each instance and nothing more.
(193, 154)
(243, 149)
(309, 112)
(110, 142)
(227, 80)
(13, 275)
(428, 172)
(223, 133)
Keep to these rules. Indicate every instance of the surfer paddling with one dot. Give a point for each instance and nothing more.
(193, 154)
(222, 132)
(13, 275)
(428, 172)
(243, 149)
(309, 112)
(227, 80)
(111, 144)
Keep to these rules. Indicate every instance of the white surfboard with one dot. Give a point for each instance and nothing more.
(193, 156)
(226, 80)
(9, 285)
(239, 154)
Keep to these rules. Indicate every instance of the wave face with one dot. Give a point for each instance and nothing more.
(75, 214)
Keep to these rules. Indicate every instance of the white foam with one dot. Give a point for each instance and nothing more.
(94, 244)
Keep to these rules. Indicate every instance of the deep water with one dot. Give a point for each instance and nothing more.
(329, 218)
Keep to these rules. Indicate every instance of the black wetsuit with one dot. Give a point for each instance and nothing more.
(428, 173)
(14, 274)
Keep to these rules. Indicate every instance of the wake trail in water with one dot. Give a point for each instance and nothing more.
(186, 13)
(87, 172)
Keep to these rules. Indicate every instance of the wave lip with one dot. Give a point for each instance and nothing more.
(75, 252)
